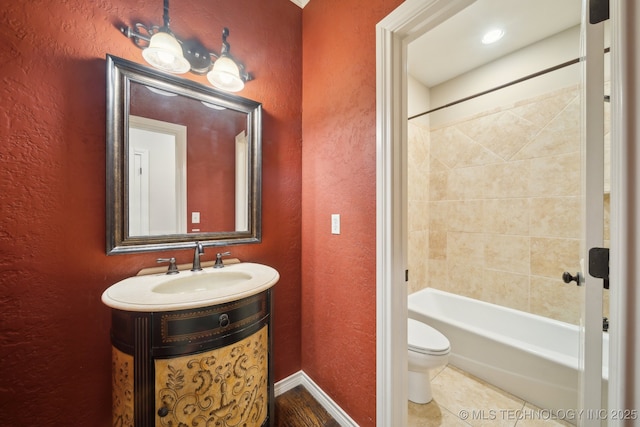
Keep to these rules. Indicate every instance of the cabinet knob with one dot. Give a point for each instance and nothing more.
(224, 320)
(163, 412)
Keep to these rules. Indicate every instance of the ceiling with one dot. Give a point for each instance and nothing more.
(454, 47)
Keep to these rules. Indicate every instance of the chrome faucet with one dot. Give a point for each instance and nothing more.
(219, 263)
(199, 250)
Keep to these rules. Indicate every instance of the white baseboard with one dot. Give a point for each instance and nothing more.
(300, 378)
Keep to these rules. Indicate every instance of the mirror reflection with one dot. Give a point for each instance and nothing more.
(186, 159)
(182, 162)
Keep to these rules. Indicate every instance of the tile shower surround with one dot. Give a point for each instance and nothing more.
(500, 219)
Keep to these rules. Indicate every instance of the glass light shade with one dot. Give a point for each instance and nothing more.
(225, 75)
(164, 52)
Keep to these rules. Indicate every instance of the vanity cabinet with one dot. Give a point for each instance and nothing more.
(203, 366)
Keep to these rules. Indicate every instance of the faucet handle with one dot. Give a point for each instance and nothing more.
(173, 268)
(219, 263)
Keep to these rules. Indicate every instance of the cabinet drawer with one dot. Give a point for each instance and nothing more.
(177, 332)
(187, 331)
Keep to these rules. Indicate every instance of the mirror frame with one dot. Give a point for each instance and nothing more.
(120, 74)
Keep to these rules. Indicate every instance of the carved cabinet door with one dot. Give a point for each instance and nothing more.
(227, 386)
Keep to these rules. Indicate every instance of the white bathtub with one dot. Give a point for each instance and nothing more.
(529, 356)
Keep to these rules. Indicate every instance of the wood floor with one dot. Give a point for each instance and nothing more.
(297, 408)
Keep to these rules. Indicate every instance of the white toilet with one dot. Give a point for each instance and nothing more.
(428, 349)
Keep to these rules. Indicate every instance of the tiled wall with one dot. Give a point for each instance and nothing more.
(494, 205)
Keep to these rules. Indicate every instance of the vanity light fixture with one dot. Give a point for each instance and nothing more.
(164, 51)
(225, 73)
(492, 36)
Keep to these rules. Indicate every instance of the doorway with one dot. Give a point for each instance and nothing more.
(394, 33)
(157, 177)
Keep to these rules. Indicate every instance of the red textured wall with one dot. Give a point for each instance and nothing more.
(339, 176)
(54, 331)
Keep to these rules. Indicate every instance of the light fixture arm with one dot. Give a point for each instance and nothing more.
(165, 14)
(225, 44)
(135, 35)
(226, 51)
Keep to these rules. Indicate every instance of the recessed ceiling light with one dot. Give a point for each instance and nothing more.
(492, 36)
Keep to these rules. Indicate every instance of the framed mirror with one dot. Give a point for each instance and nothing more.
(183, 162)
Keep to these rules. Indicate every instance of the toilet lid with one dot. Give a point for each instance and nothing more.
(425, 339)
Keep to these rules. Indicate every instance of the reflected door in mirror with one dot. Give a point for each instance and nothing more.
(157, 178)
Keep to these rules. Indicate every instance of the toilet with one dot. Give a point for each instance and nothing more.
(428, 349)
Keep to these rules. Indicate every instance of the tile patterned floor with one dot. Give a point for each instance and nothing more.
(462, 400)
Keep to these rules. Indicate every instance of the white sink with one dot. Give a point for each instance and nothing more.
(202, 282)
(188, 289)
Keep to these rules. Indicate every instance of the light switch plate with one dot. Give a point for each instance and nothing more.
(335, 223)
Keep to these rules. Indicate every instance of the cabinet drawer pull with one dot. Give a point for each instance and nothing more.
(163, 412)
(224, 320)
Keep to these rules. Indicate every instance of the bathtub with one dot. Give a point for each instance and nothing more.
(529, 356)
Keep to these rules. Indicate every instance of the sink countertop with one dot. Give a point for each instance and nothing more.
(237, 281)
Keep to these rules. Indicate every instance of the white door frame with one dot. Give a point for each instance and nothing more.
(139, 192)
(624, 335)
(410, 20)
(242, 181)
(592, 142)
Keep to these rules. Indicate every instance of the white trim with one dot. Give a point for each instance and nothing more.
(592, 135)
(300, 378)
(286, 384)
(410, 20)
(301, 3)
(592, 140)
(624, 365)
(242, 182)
